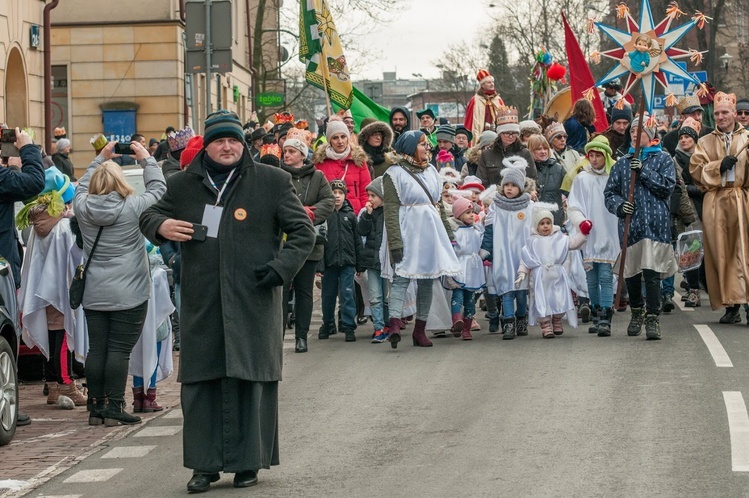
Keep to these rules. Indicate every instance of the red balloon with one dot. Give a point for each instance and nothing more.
(556, 72)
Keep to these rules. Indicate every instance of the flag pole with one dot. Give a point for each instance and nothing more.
(325, 76)
(630, 198)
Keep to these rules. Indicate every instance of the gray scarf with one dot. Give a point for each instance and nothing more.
(516, 204)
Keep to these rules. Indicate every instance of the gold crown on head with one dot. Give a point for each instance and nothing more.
(724, 99)
(507, 115)
(687, 102)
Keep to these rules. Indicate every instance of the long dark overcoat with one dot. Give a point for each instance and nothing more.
(229, 326)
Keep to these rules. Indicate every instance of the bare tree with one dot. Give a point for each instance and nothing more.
(459, 64)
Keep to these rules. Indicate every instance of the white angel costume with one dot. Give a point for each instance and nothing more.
(48, 268)
(543, 257)
(511, 225)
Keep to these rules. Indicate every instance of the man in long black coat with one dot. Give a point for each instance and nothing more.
(231, 316)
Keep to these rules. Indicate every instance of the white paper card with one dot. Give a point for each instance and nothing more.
(212, 219)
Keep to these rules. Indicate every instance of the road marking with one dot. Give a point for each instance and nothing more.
(59, 496)
(173, 413)
(682, 305)
(54, 435)
(167, 430)
(714, 346)
(12, 485)
(128, 452)
(738, 426)
(93, 475)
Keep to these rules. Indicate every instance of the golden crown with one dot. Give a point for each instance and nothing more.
(724, 99)
(507, 115)
(687, 102)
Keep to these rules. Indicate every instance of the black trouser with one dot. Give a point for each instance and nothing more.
(58, 367)
(111, 336)
(303, 283)
(652, 291)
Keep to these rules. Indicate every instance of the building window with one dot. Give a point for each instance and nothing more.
(60, 98)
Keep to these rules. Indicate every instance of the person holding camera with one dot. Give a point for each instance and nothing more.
(230, 215)
(118, 282)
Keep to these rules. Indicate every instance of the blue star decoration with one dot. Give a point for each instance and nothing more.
(661, 56)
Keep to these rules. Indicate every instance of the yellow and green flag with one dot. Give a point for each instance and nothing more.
(320, 49)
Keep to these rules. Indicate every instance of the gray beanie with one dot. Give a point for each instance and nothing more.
(487, 138)
(446, 132)
(514, 171)
(376, 187)
(335, 127)
(651, 131)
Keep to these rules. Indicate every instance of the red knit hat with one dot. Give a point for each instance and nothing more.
(194, 145)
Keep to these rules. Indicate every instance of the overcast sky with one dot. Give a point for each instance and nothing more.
(421, 31)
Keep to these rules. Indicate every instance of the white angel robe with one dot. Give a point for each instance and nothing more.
(468, 244)
(550, 286)
(511, 229)
(48, 268)
(143, 359)
(427, 251)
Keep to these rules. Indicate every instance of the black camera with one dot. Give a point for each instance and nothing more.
(9, 135)
(125, 149)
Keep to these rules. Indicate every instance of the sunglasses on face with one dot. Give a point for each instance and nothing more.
(509, 133)
(742, 113)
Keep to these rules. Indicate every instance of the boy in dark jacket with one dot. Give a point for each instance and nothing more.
(371, 224)
(342, 254)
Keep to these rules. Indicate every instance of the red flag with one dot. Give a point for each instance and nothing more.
(581, 78)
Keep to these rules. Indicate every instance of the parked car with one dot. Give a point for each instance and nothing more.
(9, 341)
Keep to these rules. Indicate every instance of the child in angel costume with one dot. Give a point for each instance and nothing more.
(507, 227)
(543, 258)
(468, 235)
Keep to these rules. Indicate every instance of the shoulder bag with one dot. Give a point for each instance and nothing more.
(79, 279)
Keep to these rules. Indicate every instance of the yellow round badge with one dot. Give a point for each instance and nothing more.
(521, 215)
(240, 214)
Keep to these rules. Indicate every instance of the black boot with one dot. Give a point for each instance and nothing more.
(635, 323)
(245, 479)
(667, 303)
(521, 325)
(324, 331)
(584, 311)
(732, 315)
(652, 327)
(115, 414)
(301, 345)
(604, 321)
(595, 316)
(494, 324)
(508, 329)
(96, 417)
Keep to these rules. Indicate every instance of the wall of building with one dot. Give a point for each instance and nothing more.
(21, 66)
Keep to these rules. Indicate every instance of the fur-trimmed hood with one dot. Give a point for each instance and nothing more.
(370, 129)
(358, 156)
(473, 155)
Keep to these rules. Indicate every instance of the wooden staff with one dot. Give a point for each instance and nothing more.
(630, 198)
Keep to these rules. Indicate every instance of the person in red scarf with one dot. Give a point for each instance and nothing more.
(481, 112)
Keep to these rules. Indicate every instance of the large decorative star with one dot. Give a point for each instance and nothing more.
(325, 25)
(663, 55)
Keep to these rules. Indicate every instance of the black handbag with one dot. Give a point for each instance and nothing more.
(78, 286)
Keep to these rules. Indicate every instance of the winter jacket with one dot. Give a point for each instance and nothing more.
(472, 156)
(314, 191)
(169, 166)
(577, 134)
(490, 162)
(64, 164)
(380, 158)
(118, 277)
(18, 186)
(344, 245)
(549, 185)
(616, 140)
(353, 170)
(693, 191)
(371, 227)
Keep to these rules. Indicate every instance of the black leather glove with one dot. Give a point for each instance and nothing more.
(268, 277)
(727, 163)
(396, 256)
(635, 165)
(625, 208)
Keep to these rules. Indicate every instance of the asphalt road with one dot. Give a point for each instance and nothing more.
(578, 415)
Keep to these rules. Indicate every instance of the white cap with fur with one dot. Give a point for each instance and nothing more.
(543, 210)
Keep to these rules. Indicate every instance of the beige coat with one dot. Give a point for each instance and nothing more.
(725, 213)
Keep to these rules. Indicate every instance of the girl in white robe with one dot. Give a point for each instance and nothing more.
(543, 257)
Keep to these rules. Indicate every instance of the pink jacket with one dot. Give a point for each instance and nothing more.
(353, 170)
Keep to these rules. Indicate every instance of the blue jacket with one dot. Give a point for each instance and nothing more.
(18, 186)
(577, 134)
(653, 188)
